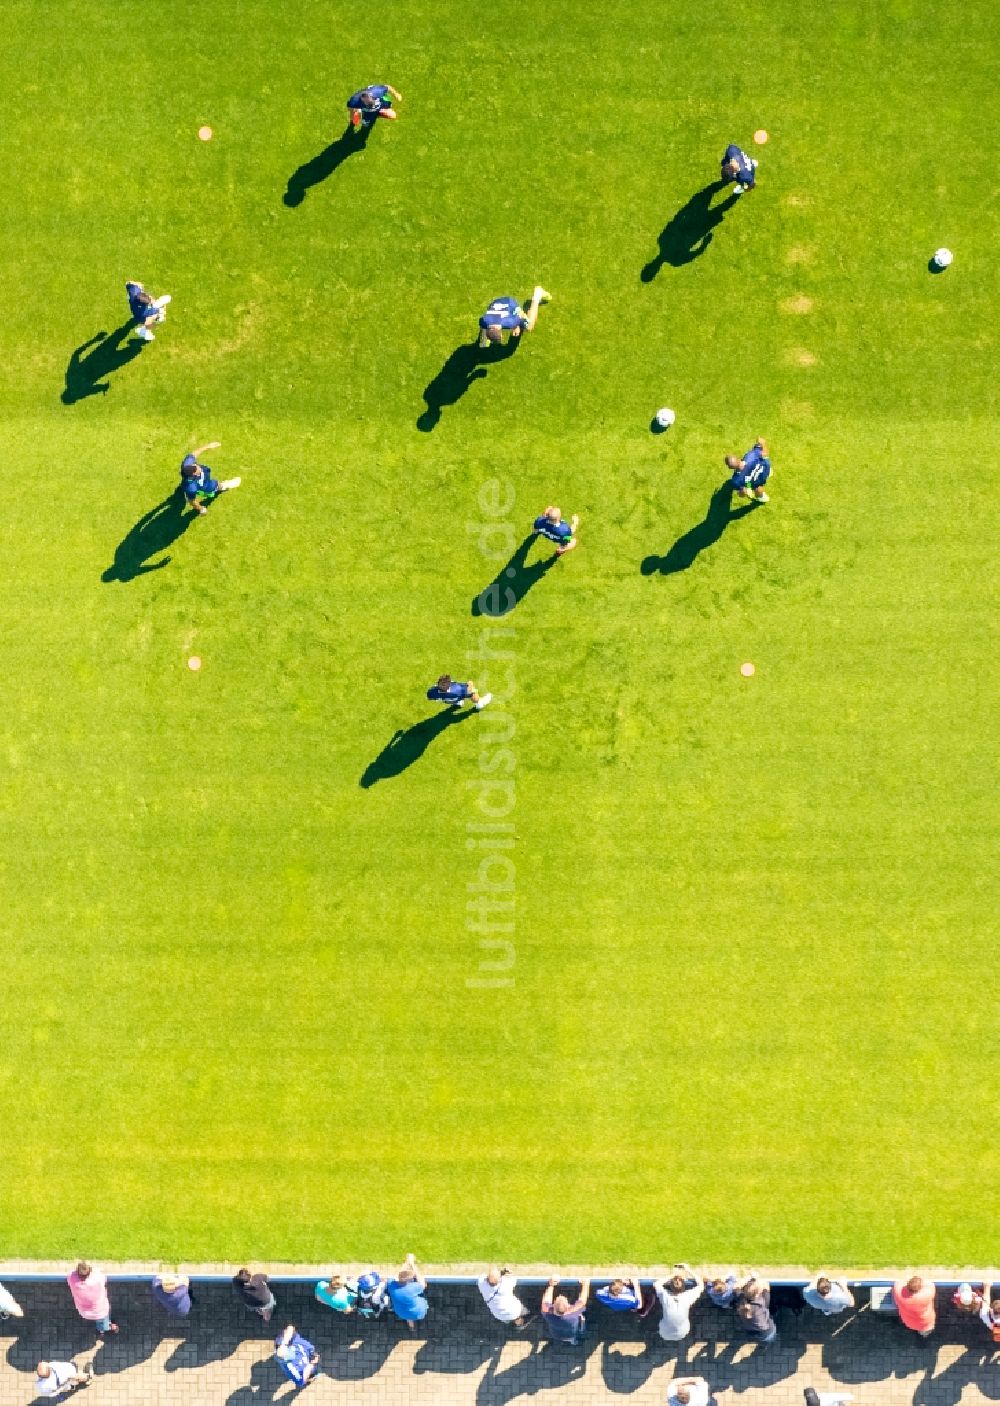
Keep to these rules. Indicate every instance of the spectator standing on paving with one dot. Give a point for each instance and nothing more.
(967, 1299)
(9, 1306)
(826, 1398)
(564, 1321)
(89, 1288)
(173, 1293)
(753, 1312)
(723, 1291)
(497, 1288)
(297, 1357)
(676, 1296)
(338, 1293)
(622, 1295)
(61, 1378)
(915, 1303)
(406, 1294)
(689, 1391)
(254, 1292)
(828, 1295)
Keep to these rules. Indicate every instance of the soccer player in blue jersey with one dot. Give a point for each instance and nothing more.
(751, 472)
(145, 310)
(505, 318)
(198, 485)
(374, 101)
(551, 526)
(448, 690)
(739, 168)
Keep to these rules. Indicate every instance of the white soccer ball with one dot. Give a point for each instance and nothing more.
(665, 418)
(943, 257)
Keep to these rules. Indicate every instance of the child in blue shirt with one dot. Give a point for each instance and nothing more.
(740, 168)
(621, 1296)
(448, 690)
(505, 318)
(751, 472)
(145, 309)
(374, 101)
(198, 485)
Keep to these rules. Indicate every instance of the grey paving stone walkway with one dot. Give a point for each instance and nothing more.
(221, 1356)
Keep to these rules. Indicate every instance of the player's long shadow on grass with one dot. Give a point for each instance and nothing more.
(466, 364)
(97, 358)
(405, 748)
(512, 582)
(689, 233)
(687, 548)
(312, 173)
(153, 533)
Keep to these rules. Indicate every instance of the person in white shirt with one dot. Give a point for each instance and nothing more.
(676, 1296)
(827, 1398)
(689, 1391)
(9, 1306)
(61, 1378)
(497, 1288)
(828, 1295)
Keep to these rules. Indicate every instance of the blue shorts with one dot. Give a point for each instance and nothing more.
(758, 478)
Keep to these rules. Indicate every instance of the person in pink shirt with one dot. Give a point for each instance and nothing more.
(914, 1300)
(89, 1288)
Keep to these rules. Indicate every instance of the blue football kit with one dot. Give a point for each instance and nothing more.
(505, 313)
(625, 1302)
(746, 168)
(754, 471)
(381, 95)
(454, 693)
(558, 532)
(138, 307)
(295, 1357)
(203, 486)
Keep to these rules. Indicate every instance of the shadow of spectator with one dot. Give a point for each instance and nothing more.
(51, 1329)
(319, 168)
(686, 550)
(548, 1366)
(978, 1367)
(456, 1354)
(97, 358)
(466, 364)
(739, 1363)
(688, 233)
(156, 530)
(200, 1347)
(265, 1384)
(361, 1357)
(624, 1372)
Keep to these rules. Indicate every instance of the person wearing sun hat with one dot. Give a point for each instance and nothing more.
(967, 1299)
(173, 1293)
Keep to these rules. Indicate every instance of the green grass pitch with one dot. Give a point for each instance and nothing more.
(751, 1009)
